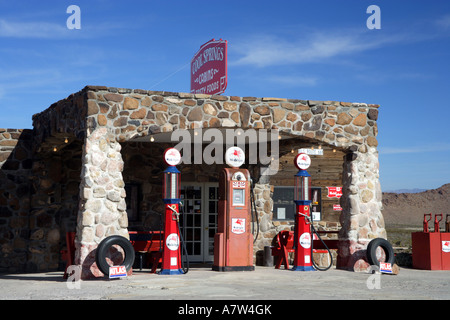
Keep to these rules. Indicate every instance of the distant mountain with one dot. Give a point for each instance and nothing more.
(407, 209)
(416, 190)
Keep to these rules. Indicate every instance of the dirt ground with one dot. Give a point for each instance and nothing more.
(264, 283)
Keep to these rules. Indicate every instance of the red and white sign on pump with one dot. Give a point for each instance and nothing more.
(209, 68)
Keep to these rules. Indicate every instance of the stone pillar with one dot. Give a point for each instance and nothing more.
(264, 206)
(361, 218)
(102, 208)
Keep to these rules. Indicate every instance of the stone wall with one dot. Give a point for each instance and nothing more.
(38, 202)
(55, 183)
(15, 168)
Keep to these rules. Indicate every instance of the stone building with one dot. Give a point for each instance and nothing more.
(93, 164)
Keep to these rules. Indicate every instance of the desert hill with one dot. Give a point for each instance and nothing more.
(407, 209)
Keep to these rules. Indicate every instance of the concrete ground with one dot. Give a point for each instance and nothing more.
(264, 283)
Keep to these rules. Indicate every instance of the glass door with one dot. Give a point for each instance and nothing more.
(210, 229)
(191, 223)
(199, 221)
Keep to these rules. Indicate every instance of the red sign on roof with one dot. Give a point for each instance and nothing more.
(209, 68)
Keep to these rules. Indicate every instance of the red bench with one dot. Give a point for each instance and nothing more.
(150, 242)
(283, 244)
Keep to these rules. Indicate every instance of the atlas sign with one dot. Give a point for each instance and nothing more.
(209, 68)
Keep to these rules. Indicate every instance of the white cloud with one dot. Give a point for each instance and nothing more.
(32, 29)
(444, 22)
(414, 149)
(294, 81)
(50, 30)
(269, 50)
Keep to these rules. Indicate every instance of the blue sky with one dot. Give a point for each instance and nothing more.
(318, 50)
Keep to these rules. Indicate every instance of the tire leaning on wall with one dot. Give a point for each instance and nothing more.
(103, 249)
(372, 251)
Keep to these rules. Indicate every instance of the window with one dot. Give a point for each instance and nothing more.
(283, 203)
(316, 203)
(284, 206)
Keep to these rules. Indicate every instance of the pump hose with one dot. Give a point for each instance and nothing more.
(185, 255)
(253, 211)
(329, 252)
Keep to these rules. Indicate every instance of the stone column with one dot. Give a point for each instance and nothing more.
(102, 208)
(361, 218)
(264, 206)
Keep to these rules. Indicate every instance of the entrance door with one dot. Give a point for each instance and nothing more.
(199, 221)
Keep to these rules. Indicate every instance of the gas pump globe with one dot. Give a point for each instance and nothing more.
(171, 259)
(302, 228)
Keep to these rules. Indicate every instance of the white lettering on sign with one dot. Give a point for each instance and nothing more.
(334, 192)
(311, 152)
(385, 267)
(211, 54)
(237, 225)
(238, 184)
(205, 76)
(337, 207)
(117, 272)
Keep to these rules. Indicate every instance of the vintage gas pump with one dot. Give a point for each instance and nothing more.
(233, 242)
(302, 229)
(171, 259)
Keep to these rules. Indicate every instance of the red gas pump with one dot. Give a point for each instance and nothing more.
(233, 242)
(171, 259)
(302, 229)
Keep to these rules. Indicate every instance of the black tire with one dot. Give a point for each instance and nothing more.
(372, 251)
(103, 249)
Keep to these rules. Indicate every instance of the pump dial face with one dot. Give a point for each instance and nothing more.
(238, 176)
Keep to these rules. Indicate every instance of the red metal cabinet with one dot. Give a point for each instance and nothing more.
(426, 250)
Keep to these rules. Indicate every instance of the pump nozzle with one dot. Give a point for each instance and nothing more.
(177, 214)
